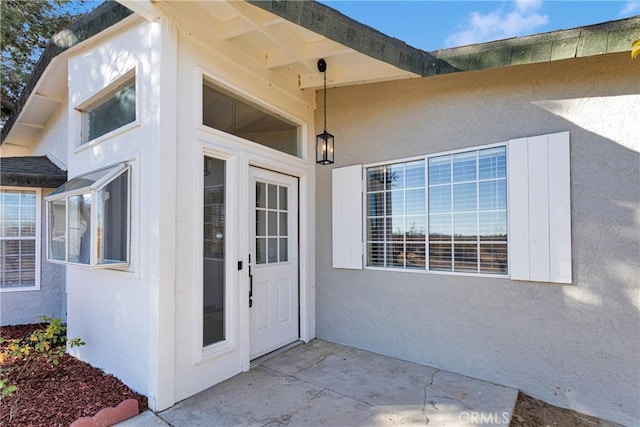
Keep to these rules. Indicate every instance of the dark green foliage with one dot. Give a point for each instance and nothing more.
(25, 29)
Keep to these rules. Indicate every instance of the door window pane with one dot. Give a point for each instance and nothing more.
(214, 280)
(271, 222)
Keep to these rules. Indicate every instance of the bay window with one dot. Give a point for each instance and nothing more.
(89, 219)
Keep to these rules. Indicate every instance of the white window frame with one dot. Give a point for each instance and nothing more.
(118, 170)
(101, 97)
(426, 158)
(538, 210)
(38, 239)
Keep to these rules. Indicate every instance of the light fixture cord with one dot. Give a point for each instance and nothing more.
(325, 100)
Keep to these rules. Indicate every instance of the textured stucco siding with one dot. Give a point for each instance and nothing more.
(22, 307)
(573, 345)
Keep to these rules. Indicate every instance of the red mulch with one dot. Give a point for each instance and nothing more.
(51, 395)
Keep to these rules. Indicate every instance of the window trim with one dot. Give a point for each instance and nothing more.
(37, 238)
(94, 188)
(102, 95)
(426, 158)
(242, 94)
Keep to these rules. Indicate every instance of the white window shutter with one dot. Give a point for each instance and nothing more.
(540, 209)
(346, 217)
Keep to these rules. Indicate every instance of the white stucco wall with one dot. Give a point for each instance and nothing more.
(575, 346)
(115, 312)
(198, 55)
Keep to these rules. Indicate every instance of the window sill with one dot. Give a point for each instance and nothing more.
(439, 273)
(107, 136)
(20, 289)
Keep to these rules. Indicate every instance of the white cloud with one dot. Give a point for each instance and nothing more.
(630, 8)
(510, 20)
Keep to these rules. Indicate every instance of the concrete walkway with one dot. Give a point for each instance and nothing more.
(326, 384)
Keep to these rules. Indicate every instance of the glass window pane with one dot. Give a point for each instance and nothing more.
(440, 199)
(261, 222)
(375, 254)
(261, 195)
(27, 198)
(113, 221)
(272, 248)
(440, 256)
(396, 228)
(395, 254)
(112, 112)
(228, 113)
(415, 256)
(79, 224)
(464, 197)
(11, 197)
(440, 227)
(493, 226)
(57, 229)
(464, 167)
(414, 203)
(375, 204)
(284, 249)
(493, 195)
(284, 229)
(11, 213)
(272, 197)
(465, 257)
(440, 170)
(465, 226)
(375, 179)
(414, 174)
(261, 251)
(11, 229)
(492, 163)
(415, 228)
(272, 226)
(493, 258)
(284, 201)
(376, 230)
(213, 279)
(395, 177)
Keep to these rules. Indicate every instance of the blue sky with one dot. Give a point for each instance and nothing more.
(432, 25)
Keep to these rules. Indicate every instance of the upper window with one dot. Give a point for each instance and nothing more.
(112, 111)
(461, 200)
(228, 113)
(89, 219)
(18, 238)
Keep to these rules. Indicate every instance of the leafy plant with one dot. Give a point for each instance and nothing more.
(635, 49)
(50, 342)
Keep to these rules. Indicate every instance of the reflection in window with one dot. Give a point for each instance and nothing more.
(396, 216)
(213, 279)
(272, 226)
(91, 212)
(468, 212)
(110, 112)
(17, 238)
(234, 116)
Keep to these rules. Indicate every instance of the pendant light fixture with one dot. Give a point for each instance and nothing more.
(324, 141)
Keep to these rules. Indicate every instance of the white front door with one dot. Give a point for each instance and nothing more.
(274, 261)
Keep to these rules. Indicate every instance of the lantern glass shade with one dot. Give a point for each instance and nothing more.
(324, 148)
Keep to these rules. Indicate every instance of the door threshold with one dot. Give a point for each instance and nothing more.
(260, 360)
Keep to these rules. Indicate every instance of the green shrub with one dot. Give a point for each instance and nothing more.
(50, 342)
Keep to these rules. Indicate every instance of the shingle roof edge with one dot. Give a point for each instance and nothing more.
(101, 18)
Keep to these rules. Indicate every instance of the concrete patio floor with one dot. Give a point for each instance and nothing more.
(322, 383)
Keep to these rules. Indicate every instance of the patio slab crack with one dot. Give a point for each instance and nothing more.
(424, 400)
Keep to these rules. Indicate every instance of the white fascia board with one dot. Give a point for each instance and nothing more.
(144, 8)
